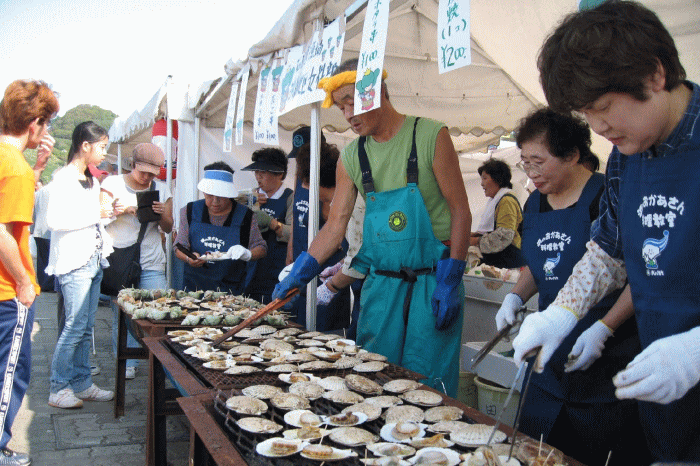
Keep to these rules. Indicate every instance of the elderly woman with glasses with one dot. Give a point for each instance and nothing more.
(498, 235)
(574, 391)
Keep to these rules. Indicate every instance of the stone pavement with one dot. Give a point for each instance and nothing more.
(89, 436)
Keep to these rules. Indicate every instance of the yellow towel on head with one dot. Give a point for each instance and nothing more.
(332, 83)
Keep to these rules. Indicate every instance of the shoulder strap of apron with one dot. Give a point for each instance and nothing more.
(366, 170)
(590, 191)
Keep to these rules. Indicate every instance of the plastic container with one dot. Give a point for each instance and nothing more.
(466, 393)
(491, 398)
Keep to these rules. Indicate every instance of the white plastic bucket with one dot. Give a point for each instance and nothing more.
(491, 398)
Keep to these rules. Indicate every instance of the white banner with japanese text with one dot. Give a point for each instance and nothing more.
(453, 42)
(368, 83)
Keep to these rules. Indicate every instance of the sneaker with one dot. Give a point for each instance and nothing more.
(94, 370)
(95, 393)
(14, 458)
(130, 372)
(65, 399)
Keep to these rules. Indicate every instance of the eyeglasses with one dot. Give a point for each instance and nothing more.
(530, 168)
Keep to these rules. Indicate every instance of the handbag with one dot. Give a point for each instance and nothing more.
(124, 269)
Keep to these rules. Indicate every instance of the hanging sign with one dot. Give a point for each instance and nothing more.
(319, 59)
(262, 105)
(454, 45)
(230, 118)
(240, 111)
(368, 84)
(271, 128)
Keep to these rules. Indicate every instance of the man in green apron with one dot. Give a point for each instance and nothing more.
(415, 234)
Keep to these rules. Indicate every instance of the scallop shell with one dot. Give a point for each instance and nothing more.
(391, 449)
(287, 332)
(403, 413)
(308, 390)
(447, 427)
(385, 401)
(293, 418)
(326, 337)
(352, 436)
(369, 356)
(346, 362)
(246, 333)
(363, 384)
(305, 433)
(443, 413)
(422, 397)
(310, 343)
(288, 401)
(401, 385)
(346, 419)
(241, 369)
(258, 425)
(297, 377)
(243, 349)
(333, 382)
(283, 368)
(277, 345)
(431, 455)
(326, 355)
(264, 330)
(309, 334)
(385, 461)
(370, 366)
(335, 454)
(372, 411)
(210, 355)
(246, 405)
(227, 345)
(296, 358)
(344, 397)
(340, 343)
(316, 366)
(179, 333)
(265, 448)
(402, 432)
(476, 435)
(261, 392)
(246, 358)
(434, 441)
(219, 364)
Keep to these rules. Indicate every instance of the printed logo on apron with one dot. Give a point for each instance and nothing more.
(397, 220)
(213, 243)
(553, 241)
(303, 208)
(656, 211)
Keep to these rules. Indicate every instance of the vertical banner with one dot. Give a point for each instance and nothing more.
(368, 84)
(230, 118)
(262, 105)
(272, 104)
(454, 45)
(320, 58)
(240, 111)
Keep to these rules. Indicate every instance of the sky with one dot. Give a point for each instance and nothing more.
(118, 53)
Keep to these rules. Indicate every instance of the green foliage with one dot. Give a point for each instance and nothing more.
(63, 129)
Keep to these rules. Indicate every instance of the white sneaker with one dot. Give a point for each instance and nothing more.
(130, 372)
(65, 399)
(94, 369)
(94, 393)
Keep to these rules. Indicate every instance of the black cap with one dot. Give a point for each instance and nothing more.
(269, 159)
(301, 137)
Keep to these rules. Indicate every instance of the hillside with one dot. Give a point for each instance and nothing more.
(62, 131)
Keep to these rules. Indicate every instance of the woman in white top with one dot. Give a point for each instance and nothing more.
(79, 245)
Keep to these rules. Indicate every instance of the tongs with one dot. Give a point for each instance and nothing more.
(478, 357)
(274, 305)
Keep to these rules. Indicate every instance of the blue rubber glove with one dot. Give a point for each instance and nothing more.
(447, 300)
(305, 268)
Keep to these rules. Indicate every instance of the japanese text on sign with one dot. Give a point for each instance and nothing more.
(230, 118)
(240, 111)
(454, 46)
(371, 59)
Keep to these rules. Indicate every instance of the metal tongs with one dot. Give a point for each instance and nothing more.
(478, 357)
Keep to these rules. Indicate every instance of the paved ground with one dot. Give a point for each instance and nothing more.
(90, 435)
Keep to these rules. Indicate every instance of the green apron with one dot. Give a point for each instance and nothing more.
(401, 250)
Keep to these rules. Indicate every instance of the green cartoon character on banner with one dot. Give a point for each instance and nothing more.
(365, 87)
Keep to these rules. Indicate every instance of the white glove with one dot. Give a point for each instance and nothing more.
(238, 252)
(324, 295)
(544, 329)
(663, 372)
(588, 347)
(506, 314)
(328, 272)
(285, 271)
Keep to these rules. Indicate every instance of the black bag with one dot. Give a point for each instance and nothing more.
(124, 269)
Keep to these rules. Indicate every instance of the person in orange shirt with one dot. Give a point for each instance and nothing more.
(25, 113)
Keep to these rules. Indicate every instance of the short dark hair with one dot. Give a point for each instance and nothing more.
(220, 165)
(612, 48)
(25, 101)
(499, 171)
(562, 134)
(328, 164)
(273, 155)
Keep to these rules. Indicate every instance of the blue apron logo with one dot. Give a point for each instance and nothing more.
(397, 221)
(549, 265)
(651, 249)
(213, 243)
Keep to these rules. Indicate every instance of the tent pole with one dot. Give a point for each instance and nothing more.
(119, 159)
(314, 164)
(169, 183)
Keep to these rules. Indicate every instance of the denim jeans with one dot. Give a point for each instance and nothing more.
(70, 366)
(150, 280)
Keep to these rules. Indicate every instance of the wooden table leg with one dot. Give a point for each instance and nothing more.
(120, 376)
(199, 456)
(156, 435)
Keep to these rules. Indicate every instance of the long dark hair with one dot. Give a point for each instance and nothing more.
(87, 131)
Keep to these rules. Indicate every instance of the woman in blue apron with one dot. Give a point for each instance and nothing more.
(274, 220)
(218, 223)
(336, 314)
(575, 411)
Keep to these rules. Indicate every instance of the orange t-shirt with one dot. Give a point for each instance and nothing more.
(16, 205)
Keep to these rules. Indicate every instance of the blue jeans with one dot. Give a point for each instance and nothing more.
(150, 280)
(70, 366)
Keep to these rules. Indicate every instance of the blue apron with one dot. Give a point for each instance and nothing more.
(511, 257)
(222, 275)
(336, 314)
(396, 316)
(261, 275)
(553, 242)
(659, 221)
